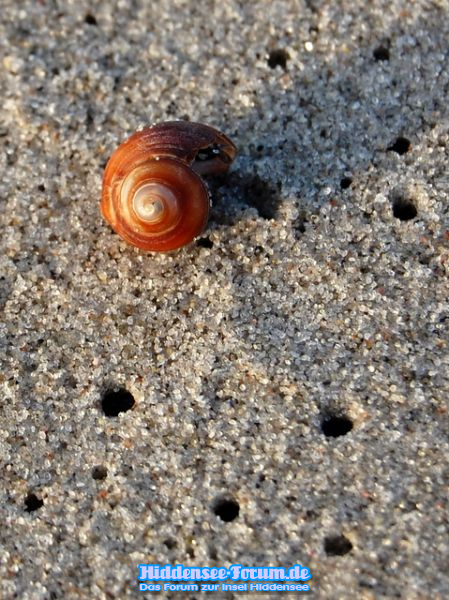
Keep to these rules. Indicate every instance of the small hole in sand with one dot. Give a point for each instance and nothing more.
(278, 58)
(99, 472)
(404, 209)
(333, 426)
(90, 19)
(381, 53)
(32, 503)
(227, 509)
(170, 543)
(337, 545)
(204, 242)
(116, 401)
(401, 145)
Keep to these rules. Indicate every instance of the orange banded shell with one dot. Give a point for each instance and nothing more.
(153, 195)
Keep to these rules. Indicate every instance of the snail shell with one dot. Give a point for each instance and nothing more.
(153, 195)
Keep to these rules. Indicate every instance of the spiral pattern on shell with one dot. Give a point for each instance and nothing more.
(153, 195)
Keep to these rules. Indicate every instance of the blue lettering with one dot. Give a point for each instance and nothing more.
(210, 587)
(149, 587)
(147, 572)
(176, 573)
(165, 572)
(274, 574)
(235, 571)
(296, 573)
(299, 573)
